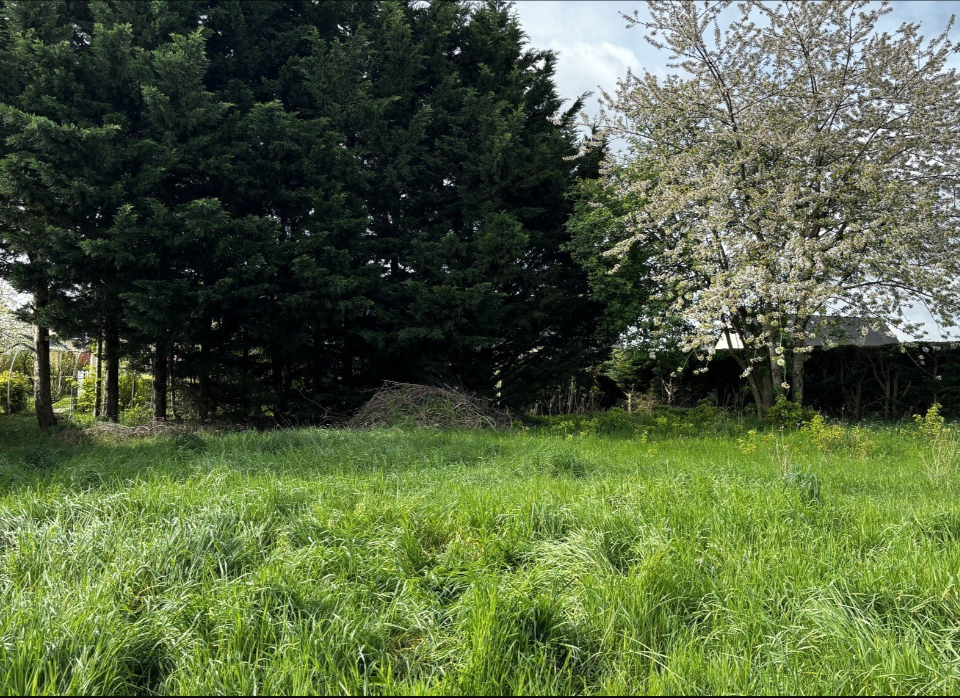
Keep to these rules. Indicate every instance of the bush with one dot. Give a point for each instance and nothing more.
(136, 407)
(142, 397)
(930, 425)
(616, 422)
(138, 416)
(789, 415)
(87, 398)
(824, 437)
(669, 421)
(20, 391)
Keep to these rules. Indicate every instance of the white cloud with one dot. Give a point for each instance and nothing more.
(591, 66)
(595, 47)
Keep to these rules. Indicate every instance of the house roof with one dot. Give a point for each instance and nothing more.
(838, 331)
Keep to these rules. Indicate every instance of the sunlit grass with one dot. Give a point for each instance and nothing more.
(325, 561)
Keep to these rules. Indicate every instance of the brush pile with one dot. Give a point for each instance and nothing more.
(440, 407)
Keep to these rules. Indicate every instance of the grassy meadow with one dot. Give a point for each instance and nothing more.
(581, 556)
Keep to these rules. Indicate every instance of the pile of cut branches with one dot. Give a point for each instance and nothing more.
(442, 407)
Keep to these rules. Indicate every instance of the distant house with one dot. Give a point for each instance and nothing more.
(839, 331)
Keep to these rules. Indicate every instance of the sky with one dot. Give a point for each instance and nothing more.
(595, 49)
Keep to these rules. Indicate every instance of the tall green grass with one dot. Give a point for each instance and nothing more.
(644, 561)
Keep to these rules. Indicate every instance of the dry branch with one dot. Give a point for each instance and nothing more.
(409, 404)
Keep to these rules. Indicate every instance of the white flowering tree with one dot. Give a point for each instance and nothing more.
(805, 164)
(14, 333)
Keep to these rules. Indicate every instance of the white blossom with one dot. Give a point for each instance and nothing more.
(13, 332)
(799, 163)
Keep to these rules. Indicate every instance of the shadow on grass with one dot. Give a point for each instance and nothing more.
(68, 457)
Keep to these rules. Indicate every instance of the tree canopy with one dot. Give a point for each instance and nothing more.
(284, 203)
(799, 163)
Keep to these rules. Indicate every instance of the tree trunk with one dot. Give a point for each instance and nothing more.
(896, 392)
(776, 372)
(160, 374)
(752, 380)
(112, 392)
(276, 373)
(797, 377)
(755, 388)
(346, 363)
(98, 395)
(887, 396)
(171, 372)
(766, 394)
(41, 366)
(203, 406)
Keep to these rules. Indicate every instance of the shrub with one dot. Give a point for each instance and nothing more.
(789, 415)
(940, 450)
(137, 416)
(749, 443)
(825, 437)
(126, 392)
(930, 425)
(20, 390)
(136, 407)
(616, 422)
(87, 398)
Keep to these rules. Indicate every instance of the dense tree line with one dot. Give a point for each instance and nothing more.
(278, 205)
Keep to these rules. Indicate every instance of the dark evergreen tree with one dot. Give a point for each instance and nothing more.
(468, 157)
(48, 151)
(292, 201)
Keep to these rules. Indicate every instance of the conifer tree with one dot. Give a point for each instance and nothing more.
(296, 200)
(48, 150)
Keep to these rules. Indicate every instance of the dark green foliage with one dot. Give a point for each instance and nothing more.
(466, 182)
(623, 285)
(888, 382)
(891, 382)
(289, 202)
